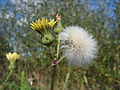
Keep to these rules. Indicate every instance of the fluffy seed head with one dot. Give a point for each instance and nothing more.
(79, 46)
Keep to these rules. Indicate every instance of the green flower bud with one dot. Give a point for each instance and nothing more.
(59, 27)
(47, 38)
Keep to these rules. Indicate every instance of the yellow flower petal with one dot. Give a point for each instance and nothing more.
(41, 25)
(12, 56)
(52, 22)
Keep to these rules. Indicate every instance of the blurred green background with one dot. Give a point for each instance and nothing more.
(99, 17)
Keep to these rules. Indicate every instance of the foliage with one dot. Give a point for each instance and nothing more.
(24, 82)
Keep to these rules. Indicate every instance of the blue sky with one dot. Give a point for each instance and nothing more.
(93, 5)
(110, 7)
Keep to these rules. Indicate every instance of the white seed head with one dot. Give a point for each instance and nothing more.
(80, 48)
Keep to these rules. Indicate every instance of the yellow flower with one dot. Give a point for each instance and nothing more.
(12, 56)
(52, 22)
(41, 25)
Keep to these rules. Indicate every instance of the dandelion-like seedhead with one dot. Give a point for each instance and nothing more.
(80, 48)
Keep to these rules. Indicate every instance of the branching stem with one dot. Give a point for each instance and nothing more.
(55, 67)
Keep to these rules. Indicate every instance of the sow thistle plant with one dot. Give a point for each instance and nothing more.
(78, 46)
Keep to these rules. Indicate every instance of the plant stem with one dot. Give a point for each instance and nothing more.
(58, 47)
(8, 76)
(6, 79)
(55, 66)
(53, 77)
(60, 59)
(66, 80)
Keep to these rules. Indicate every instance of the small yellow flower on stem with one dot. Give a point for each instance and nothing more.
(12, 57)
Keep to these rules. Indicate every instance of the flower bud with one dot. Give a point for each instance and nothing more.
(47, 38)
(59, 27)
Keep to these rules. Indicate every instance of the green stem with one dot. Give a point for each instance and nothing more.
(58, 47)
(55, 67)
(6, 79)
(66, 80)
(53, 77)
(60, 59)
(8, 76)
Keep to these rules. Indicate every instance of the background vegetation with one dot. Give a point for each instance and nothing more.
(16, 35)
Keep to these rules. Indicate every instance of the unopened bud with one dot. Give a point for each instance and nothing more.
(47, 38)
